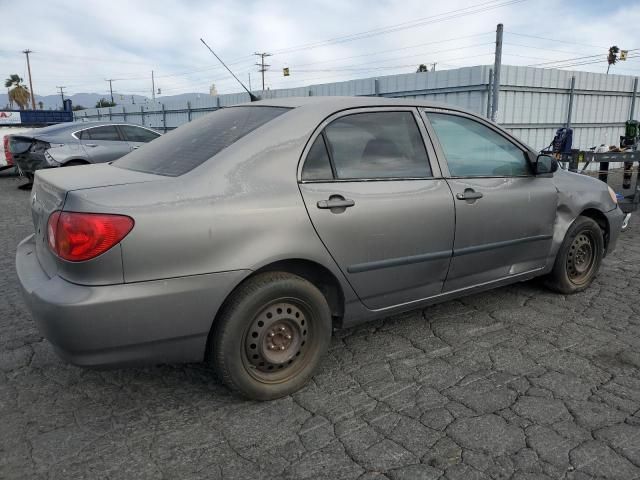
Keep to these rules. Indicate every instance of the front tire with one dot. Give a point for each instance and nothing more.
(579, 258)
(270, 336)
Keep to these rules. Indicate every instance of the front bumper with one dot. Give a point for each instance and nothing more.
(615, 218)
(161, 321)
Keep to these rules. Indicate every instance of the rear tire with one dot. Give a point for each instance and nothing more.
(270, 336)
(579, 258)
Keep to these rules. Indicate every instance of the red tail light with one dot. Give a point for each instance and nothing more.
(7, 154)
(78, 236)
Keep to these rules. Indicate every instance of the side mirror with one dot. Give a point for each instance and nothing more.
(545, 165)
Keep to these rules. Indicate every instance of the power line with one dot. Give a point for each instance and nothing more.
(600, 55)
(351, 67)
(376, 52)
(450, 15)
(555, 40)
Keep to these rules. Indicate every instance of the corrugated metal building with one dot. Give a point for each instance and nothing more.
(533, 102)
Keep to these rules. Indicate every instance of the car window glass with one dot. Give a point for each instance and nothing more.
(377, 145)
(474, 150)
(83, 135)
(137, 134)
(192, 144)
(108, 132)
(317, 166)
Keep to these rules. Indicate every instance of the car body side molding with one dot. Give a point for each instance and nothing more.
(425, 257)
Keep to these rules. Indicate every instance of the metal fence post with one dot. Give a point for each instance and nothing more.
(376, 87)
(496, 73)
(571, 94)
(142, 114)
(164, 119)
(109, 113)
(189, 111)
(489, 92)
(633, 98)
(124, 114)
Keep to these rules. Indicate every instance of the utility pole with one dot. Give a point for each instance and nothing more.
(249, 81)
(263, 67)
(153, 87)
(33, 98)
(496, 73)
(61, 94)
(110, 80)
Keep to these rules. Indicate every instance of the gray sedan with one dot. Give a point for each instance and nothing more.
(243, 238)
(77, 143)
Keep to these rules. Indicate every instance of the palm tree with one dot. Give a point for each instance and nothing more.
(19, 93)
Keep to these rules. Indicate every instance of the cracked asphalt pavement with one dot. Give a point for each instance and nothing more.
(517, 383)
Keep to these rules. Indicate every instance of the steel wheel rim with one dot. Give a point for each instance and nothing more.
(276, 344)
(581, 258)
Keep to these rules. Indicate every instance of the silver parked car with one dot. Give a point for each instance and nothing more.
(244, 237)
(76, 143)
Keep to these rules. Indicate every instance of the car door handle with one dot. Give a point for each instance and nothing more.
(336, 201)
(135, 147)
(90, 144)
(469, 194)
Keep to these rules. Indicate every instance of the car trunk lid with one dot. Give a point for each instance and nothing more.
(49, 193)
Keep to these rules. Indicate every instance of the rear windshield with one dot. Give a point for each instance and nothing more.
(183, 149)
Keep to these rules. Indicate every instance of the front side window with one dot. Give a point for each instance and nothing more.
(377, 145)
(108, 132)
(474, 150)
(183, 149)
(137, 134)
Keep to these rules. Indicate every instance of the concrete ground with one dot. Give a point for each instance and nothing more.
(517, 383)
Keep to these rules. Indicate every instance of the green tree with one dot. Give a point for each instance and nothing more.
(18, 92)
(103, 102)
(78, 107)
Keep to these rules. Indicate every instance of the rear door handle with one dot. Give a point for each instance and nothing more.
(90, 144)
(469, 194)
(336, 201)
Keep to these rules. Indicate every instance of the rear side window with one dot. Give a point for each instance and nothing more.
(377, 145)
(189, 146)
(108, 132)
(317, 166)
(137, 134)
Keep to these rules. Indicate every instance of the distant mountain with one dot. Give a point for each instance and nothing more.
(88, 100)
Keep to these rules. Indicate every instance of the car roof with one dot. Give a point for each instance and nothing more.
(340, 103)
(61, 129)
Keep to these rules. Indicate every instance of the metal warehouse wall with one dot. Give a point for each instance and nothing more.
(533, 102)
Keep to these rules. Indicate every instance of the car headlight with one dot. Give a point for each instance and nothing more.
(613, 195)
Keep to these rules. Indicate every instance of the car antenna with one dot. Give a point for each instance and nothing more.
(251, 95)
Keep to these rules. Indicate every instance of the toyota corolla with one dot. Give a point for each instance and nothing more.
(244, 237)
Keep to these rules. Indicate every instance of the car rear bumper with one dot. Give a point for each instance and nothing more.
(161, 321)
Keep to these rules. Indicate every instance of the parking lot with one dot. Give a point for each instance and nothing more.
(517, 383)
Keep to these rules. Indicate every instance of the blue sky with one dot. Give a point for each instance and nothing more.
(78, 44)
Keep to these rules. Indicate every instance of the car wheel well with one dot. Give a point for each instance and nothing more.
(318, 275)
(75, 161)
(313, 272)
(600, 218)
